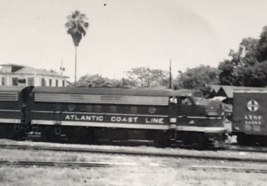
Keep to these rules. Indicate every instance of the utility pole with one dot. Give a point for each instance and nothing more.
(170, 75)
(62, 68)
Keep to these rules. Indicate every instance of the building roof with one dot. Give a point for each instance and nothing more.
(26, 70)
(11, 64)
(216, 88)
(229, 90)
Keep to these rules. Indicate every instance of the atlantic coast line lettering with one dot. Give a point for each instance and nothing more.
(116, 119)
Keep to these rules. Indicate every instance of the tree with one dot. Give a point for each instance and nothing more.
(246, 67)
(226, 76)
(262, 45)
(98, 81)
(198, 78)
(91, 81)
(145, 77)
(76, 26)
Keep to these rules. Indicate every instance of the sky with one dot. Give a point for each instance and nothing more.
(127, 33)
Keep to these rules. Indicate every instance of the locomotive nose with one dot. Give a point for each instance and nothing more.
(214, 108)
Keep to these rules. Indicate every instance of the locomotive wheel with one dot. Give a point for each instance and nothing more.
(162, 139)
(48, 134)
(3, 131)
(195, 141)
(84, 135)
(10, 134)
(201, 141)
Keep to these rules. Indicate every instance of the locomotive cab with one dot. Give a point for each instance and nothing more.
(200, 121)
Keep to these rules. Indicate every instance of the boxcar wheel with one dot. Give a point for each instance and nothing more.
(243, 140)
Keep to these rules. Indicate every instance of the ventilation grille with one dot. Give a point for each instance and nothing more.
(8, 96)
(101, 99)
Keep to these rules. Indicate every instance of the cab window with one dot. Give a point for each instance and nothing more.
(186, 101)
(198, 95)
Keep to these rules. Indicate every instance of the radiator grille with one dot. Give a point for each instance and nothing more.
(101, 99)
(8, 96)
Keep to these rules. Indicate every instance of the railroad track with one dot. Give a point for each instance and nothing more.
(247, 149)
(53, 164)
(231, 147)
(132, 152)
(247, 169)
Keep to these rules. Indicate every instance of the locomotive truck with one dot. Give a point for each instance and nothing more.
(183, 117)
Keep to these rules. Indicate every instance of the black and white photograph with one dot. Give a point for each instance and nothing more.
(133, 93)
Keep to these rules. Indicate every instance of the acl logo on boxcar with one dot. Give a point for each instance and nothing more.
(253, 105)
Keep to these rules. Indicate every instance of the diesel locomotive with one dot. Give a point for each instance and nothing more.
(166, 117)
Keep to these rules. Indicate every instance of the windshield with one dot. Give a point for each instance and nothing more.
(198, 100)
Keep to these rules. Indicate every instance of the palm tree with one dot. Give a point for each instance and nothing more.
(76, 26)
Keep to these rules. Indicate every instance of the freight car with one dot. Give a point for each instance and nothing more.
(250, 116)
(86, 114)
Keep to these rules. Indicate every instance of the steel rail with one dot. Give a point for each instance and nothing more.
(133, 152)
(229, 147)
(62, 164)
(246, 149)
(248, 169)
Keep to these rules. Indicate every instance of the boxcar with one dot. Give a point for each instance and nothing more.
(250, 116)
(164, 116)
(13, 122)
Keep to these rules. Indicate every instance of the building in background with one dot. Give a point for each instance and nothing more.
(15, 75)
(226, 91)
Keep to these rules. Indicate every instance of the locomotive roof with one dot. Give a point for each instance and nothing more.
(115, 91)
(11, 88)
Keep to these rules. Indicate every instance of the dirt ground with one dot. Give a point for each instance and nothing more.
(125, 176)
(144, 171)
(31, 155)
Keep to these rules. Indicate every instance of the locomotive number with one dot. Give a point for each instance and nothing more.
(253, 122)
(253, 119)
